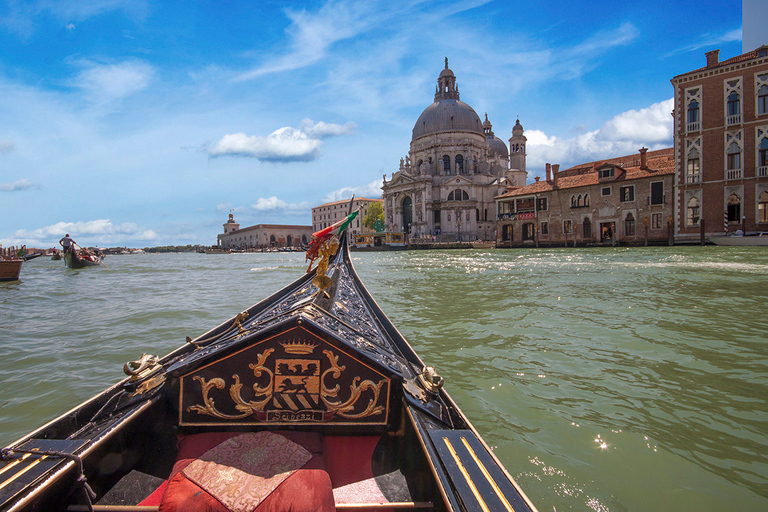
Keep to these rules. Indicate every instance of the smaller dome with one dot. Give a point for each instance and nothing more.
(498, 148)
(518, 127)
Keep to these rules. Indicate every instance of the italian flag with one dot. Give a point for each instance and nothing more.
(337, 228)
(318, 237)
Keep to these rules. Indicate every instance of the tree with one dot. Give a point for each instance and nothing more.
(375, 212)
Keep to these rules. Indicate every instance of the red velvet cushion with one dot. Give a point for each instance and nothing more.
(308, 489)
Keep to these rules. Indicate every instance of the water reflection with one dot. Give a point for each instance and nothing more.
(658, 353)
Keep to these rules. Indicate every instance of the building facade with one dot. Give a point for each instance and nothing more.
(625, 200)
(721, 146)
(328, 213)
(446, 185)
(262, 236)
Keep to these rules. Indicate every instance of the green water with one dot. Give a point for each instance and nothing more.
(604, 379)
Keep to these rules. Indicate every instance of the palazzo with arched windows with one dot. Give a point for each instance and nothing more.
(721, 132)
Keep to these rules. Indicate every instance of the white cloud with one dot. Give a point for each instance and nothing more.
(371, 191)
(6, 146)
(323, 130)
(708, 41)
(18, 185)
(286, 144)
(624, 134)
(274, 205)
(105, 83)
(94, 232)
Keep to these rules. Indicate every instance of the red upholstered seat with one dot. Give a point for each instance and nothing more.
(306, 489)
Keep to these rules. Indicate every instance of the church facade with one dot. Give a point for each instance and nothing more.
(446, 184)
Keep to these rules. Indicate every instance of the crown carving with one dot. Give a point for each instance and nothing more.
(298, 346)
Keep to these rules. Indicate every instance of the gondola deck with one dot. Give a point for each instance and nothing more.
(316, 369)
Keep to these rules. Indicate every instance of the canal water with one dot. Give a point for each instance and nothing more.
(607, 379)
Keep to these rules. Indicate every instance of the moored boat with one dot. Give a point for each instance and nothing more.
(758, 239)
(311, 398)
(74, 258)
(10, 269)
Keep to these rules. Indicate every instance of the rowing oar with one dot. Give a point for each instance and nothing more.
(89, 252)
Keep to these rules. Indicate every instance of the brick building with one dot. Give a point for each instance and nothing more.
(721, 146)
(328, 213)
(624, 200)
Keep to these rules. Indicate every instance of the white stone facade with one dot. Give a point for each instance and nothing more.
(455, 167)
(262, 236)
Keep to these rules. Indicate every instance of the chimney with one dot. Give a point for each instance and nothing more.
(555, 169)
(536, 178)
(549, 172)
(643, 158)
(713, 58)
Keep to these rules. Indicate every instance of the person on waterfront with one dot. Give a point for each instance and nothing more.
(66, 242)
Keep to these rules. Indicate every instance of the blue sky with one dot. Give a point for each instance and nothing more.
(143, 123)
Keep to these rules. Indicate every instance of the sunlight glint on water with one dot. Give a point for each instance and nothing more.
(604, 379)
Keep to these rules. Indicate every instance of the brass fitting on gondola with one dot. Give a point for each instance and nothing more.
(145, 366)
(239, 319)
(431, 381)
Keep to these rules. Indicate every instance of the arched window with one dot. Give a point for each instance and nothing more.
(692, 212)
(734, 208)
(303, 239)
(447, 164)
(573, 201)
(734, 105)
(579, 201)
(458, 195)
(762, 207)
(586, 199)
(693, 115)
(586, 228)
(762, 157)
(733, 157)
(693, 169)
(629, 225)
(459, 164)
(762, 100)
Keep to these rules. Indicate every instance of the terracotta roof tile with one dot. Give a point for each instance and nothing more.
(659, 163)
(733, 60)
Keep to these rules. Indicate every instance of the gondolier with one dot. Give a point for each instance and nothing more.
(66, 242)
(310, 400)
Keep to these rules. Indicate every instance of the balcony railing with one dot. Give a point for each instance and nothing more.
(693, 127)
(733, 174)
(734, 119)
(693, 177)
(762, 171)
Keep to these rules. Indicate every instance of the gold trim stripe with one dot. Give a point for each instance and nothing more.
(14, 463)
(17, 475)
(487, 475)
(466, 475)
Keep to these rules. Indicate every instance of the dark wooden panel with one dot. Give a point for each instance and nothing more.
(24, 470)
(293, 378)
(478, 479)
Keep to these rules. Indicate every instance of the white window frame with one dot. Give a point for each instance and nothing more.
(730, 138)
(731, 85)
(761, 78)
(691, 94)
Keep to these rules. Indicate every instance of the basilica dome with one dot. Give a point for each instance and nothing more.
(447, 114)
